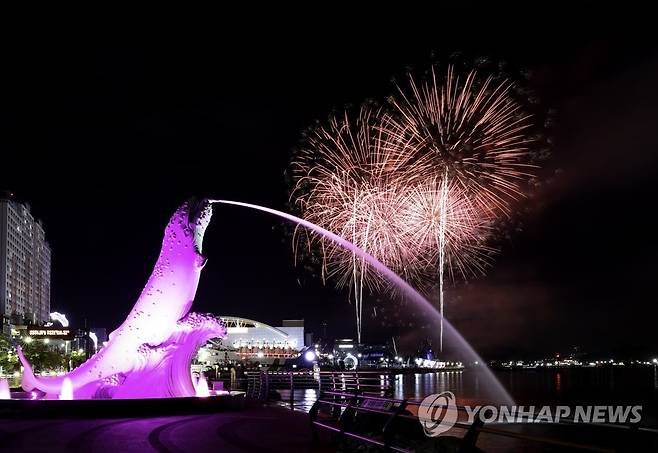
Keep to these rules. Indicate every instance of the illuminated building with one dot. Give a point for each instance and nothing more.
(249, 340)
(24, 264)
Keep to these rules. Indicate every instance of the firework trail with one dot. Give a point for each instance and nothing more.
(442, 247)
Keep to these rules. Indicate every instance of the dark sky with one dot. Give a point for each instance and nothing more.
(105, 137)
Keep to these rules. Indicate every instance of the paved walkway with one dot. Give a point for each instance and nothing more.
(255, 429)
(251, 430)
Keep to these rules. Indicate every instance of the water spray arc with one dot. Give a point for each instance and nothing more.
(395, 279)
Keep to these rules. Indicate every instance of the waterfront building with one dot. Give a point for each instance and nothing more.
(254, 341)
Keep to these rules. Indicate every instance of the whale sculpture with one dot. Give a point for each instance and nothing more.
(149, 355)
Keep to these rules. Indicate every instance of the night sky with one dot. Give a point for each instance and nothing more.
(105, 137)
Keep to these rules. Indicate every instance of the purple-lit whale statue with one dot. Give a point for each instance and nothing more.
(149, 355)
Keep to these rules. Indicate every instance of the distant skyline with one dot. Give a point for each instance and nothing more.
(104, 140)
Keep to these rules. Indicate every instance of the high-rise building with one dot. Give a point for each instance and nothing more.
(24, 264)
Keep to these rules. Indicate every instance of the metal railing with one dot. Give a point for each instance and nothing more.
(264, 384)
(350, 393)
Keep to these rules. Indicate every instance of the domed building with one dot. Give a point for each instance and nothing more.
(248, 340)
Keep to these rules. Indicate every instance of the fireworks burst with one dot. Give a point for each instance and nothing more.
(473, 131)
(344, 182)
(417, 187)
(447, 230)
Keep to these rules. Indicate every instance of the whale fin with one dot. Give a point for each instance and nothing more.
(29, 381)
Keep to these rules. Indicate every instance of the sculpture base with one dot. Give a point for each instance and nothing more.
(121, 408)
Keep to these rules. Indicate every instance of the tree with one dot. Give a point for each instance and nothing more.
(8, 357)
(41, 357)
(77, 359)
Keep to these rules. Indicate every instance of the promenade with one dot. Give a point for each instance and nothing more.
(266, 429)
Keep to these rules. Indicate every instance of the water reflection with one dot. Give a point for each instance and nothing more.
(582, 386)
(417, 386)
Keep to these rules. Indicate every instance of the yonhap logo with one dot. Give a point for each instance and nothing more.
(438, 413)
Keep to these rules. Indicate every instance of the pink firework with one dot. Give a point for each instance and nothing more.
(347, 183)
(417, 187)
(448, 231)
(470, 129)
(438, 217)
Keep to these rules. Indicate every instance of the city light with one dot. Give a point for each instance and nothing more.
(203, 355)
(27, 340)
(59, 317)
(5, 394)
(309, 356)
(201, 389)
(94, 338)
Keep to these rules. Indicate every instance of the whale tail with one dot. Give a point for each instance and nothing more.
(29, 381)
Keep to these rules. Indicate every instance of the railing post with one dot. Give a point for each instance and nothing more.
(471, 436)
(345, 419)
(292, 391)
(313, 416)
(265, 385)
(387, 431)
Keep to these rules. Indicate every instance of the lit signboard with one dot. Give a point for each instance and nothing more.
(51, 333)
